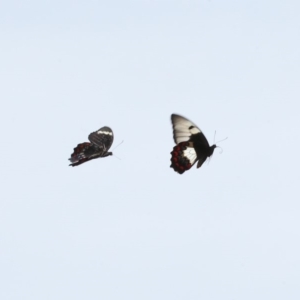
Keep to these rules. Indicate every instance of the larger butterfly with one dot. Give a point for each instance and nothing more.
(191, 145)
(100, 142)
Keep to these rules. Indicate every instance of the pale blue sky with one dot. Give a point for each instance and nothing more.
(134, 229)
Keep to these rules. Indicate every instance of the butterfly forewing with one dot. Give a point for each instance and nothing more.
(183, 128)
(103, 138)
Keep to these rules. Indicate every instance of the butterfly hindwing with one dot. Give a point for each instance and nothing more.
(183, 157)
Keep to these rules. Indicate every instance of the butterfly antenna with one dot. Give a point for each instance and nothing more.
(222, 140)
(114, 155)
(219, 146)
(221, 149)
(117, 146)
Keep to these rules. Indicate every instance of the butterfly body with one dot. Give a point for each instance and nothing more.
(192, 145)
(100, 142)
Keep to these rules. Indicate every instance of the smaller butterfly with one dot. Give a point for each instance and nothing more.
(100, 141)
(191, 145)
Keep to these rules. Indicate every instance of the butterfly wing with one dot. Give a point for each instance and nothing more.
(192, 145)
(82, 153)
(102, 138)
(183, 157)
(185, 130)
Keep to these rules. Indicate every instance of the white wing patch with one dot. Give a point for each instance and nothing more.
(190, 154)
(183, 128)
(104, 132)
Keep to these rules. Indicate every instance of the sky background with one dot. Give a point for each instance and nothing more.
(132, 228)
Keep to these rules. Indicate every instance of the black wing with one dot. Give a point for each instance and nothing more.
(102, 138)
(82, 153)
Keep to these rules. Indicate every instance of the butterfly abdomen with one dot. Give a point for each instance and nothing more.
(179, 162)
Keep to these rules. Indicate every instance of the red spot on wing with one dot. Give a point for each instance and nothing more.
(80, 148)
(77, 157)
(179, 162)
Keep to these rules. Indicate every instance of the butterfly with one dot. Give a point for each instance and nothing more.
(100, 142)
(191, 145)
